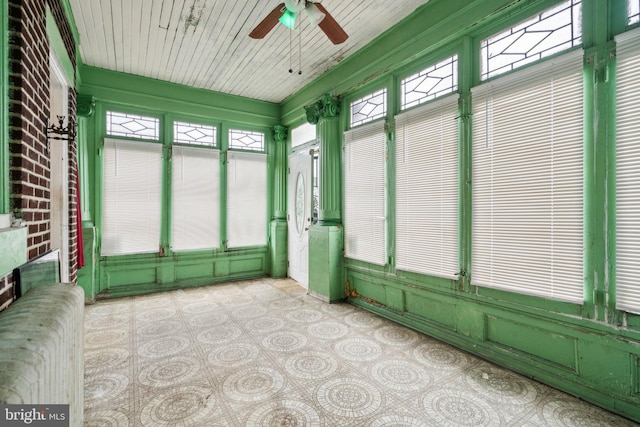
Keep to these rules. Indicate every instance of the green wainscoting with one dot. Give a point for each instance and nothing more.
(139, 274)
(589, 359)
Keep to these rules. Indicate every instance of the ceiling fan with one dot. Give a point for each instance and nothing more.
(287, 12)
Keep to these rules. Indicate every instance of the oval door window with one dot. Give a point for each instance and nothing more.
(300, 203)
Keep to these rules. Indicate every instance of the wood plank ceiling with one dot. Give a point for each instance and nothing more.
(205, 43)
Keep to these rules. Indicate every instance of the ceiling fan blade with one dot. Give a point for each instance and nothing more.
(331, 28)
(268, 23)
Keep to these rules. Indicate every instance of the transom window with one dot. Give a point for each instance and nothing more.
(549, 32)
(132, 125)
(430, 83)
(189, 133)
(633, 10)
(246, 140)
(369, 108)
(302, 134)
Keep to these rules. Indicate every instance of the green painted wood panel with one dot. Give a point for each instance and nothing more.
(544, 344)
(13, 249)
(247, 265)
(432, 309)
(193, 271)
(131, 276)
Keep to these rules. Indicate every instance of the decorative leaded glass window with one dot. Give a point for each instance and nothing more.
(189, 133)
(246, 140)
(132, 126)
(369, 108)
(633, 12)
(430, 83)
(549, 32)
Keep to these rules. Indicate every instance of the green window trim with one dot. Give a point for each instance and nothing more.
(596, 37)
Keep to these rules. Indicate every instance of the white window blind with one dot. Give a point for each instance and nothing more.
(364, 181)
(131, 197)
(427, 189)
(195, 198)
(246, 199)
(528, 181)
(628, 172)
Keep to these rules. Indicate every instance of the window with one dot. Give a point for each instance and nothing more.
(132, 186)
(195, 188)
(528, 181)
(246, 199)
(246, 190)
(427, 189)
(189, 133)
(364, 180)
(196, 198)
(132, 126)
(132, 197)
(246, 140)
(369, 108)
(633, 10)
(302, 134)
(549, 32)
(430, 83)
(627, 172)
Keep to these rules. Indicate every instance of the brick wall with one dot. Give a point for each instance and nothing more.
(6, 284)
(30, 172)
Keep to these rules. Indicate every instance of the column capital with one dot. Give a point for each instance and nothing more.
(85, 105)
(280, 133)
(325, 107)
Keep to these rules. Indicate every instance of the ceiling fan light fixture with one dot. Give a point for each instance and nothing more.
(314, 14)
(288, 19)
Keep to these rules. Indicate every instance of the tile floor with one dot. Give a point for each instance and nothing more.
(263, 353)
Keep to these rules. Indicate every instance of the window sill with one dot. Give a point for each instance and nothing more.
(13, 248)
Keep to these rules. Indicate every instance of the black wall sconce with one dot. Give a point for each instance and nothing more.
(60, 132)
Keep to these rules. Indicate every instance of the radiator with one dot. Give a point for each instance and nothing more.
(41, 349)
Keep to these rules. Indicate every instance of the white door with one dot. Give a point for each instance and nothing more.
(300, 202)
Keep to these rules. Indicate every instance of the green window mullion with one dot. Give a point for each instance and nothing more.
(223, 141)
(393, 105)
(599, 19)
(468, 70)
(166, 138)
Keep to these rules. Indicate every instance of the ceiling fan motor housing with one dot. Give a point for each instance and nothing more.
(295, 6)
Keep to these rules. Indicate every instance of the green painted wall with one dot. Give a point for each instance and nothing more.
(134, 274)
(590, 350)
(140, 92)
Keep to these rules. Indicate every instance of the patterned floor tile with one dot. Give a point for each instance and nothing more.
(264, 353)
